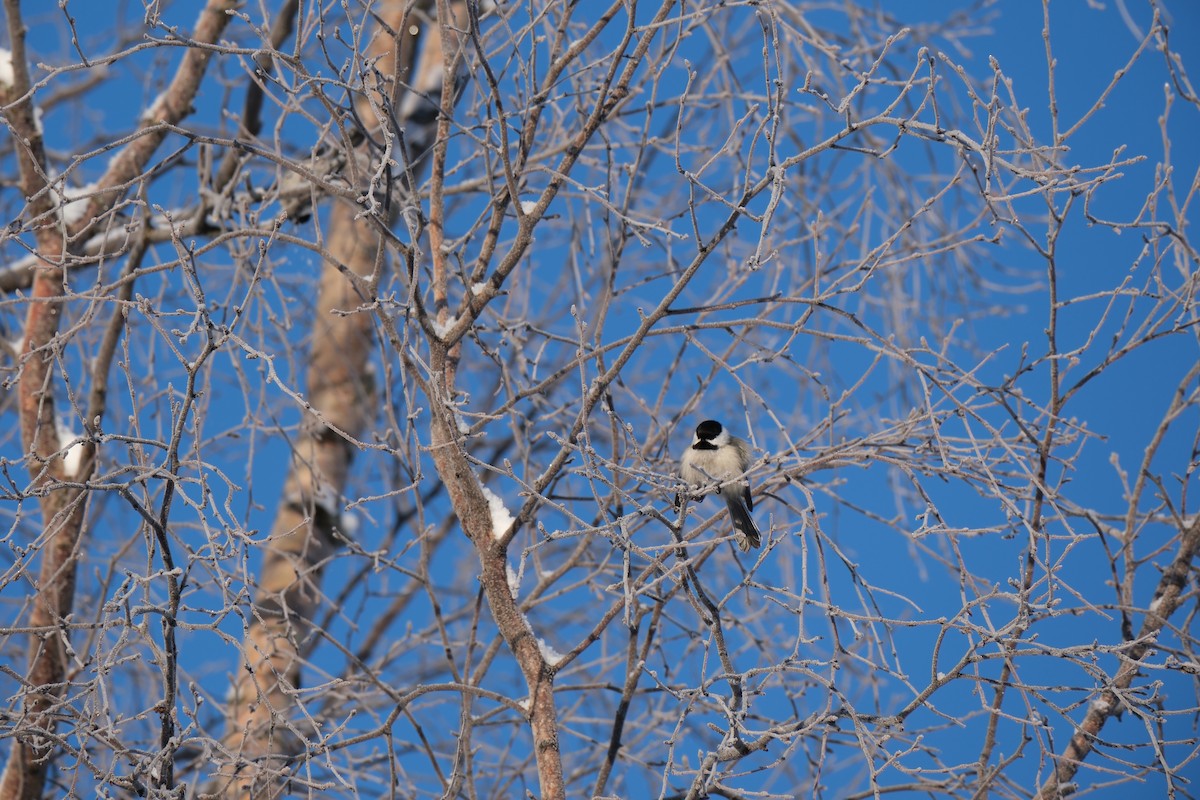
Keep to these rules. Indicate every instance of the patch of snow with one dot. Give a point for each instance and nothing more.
(527, 206)
(349, 523)
(6, 67)
(478, 288)
(74, 455)
(75, 201)
(326, 499)
(442, 328)
(548, 652)
(502, 519)
(153, 112)
(514, 581)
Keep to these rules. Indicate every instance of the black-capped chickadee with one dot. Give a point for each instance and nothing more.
(717, 456)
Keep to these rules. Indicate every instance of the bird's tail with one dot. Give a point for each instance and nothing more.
(748, 536)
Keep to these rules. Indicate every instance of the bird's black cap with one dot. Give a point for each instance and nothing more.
(708, 430)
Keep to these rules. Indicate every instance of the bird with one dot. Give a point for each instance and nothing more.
(715, 455)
